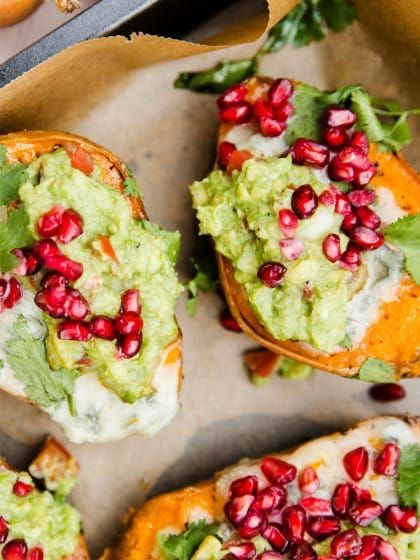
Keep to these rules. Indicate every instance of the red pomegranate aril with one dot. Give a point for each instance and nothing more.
(294, 519)
(360, 139)
(386, 462)
(359, 494)
(74, 330)
(342, 204)
(224, 154)
(331, 247)
(335, 137)
(28, 265)
(252, 525)
(386, 551)
(308, 152)
(70, 269)
(14, 293)
(348, 543)
(284, 111)
(22, 489)
(272, 274)
(408, 523)
(271, 127)
(51, 300)
(103, 327)
(54, 280)
(338, 116)
(321, 527)
(340, 502)
(304, 201)
(262, 109)
(327, 198)
(280, 90)
(236, 114)
(351, 256)
(130, 301)
(242, 551)
(339, 171)
(361, 197)
(365, 513)
(237, 508)
(45, 249)
(291, 248)
(316, 506)
(128, 322)
(288, 222)
(269, 555)
(271, 498)
(71, 226)
(49, 223)
(15, 550)
(353, 156)
(233, 95)
(356, 463)
(366, 238)
(278, 471)
(308, 480)
(4, 288)
(276, 537)
(228, 322)
(367, 217)
(363, 176)
(129, 345)
(4, 530)
(243, 486)
(387, 392)
(76, 306)
(369, 543)
(302, 551)
(349, 223)
(36, 553)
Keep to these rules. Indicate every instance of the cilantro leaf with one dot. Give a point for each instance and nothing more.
(377, 371)
(12, 175)
(183, 546)
(13, 234)
(405, 233)
(26, 355)
(408, 483)
(338, 14)
(205, 279)
(130, 185)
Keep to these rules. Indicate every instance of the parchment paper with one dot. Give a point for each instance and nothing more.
(120, 94)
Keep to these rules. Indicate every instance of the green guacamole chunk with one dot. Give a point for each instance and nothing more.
(145, 261)
(241, 215)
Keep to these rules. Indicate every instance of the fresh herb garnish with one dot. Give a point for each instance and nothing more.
(408, 483)
(205, 280)
(12, 175)
(377, 371)
(131, 187)
(309, 21)
(405, 233)
(26, 355)
(183, 546)
(13, 234)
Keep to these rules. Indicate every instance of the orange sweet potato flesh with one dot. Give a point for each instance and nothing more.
(394, 336)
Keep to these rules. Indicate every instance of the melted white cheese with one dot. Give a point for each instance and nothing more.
(246, 137)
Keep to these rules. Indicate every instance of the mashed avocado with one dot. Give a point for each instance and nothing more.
(240, 213)
(39, 518)
(145, 255)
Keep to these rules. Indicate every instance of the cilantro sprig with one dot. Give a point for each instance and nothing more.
(12, 175)
(14, 233)
(183, 546)
(408, 476)
(405, 234)
(204, 280)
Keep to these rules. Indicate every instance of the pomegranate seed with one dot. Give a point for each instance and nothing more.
(233, 95)
(243, 486)
(272, 497)
(304, 201)
(272, 274)
(331, 247)
(360, 139)
(22, 489)
(351, 257)
(15, 550)
(28, 264)
(262, 109)
(128, 322)
(74, 330)
(71, 226)
(294, 519)
(251, 526)
(4, 530)
(288, 222)
(347, 543)
(360, 494)
(228, 322)
(54, 280)
(316, 506)
(291, 248)
(386, 551)
(386, 462)
(129, 345)
(103, 327)
(271, 127)
(363, 176)
(14, 293)
(242, 551)
(72, 270)
(400, 519)
(280, 90)
(321, 528)
(49, 223)
(36, 553)
(308, 480)
(278, 471)
(365, 513)
(236, 114)
(342, 204)
(392, 517)
(4, 288)
(276, 537)
(225, 152)
(361, 197)
(45, 248)
(269, 555)
(284, 111)
(302, 551)
(356, 463)
(308, 152)
(367, 217)
(335, 137)
(369, 543)
(349, 223)
(275, 517)
(338, 116)
(366, 238)
(339, 171)
(52, 300)
(327, 198)
(76, 306)
(387, 392)
(82, 160)
(354, 156)
(130, 301)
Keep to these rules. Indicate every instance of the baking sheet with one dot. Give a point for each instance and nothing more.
(102, 90)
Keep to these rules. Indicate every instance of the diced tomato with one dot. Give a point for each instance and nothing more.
(81, 160)
(237, 160)
(107, 249)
